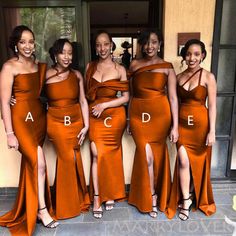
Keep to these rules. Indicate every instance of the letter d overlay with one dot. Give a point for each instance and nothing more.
(145, 117)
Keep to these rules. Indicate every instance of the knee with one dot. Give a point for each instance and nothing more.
(41, 168)
(183, 163)
(95, 159)
(149, 160)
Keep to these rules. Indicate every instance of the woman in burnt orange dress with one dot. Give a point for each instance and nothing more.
(67, 125)
(104, 78)
(25, 125)
(153, 116)
(197, 134)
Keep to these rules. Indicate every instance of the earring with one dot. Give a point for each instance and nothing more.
(111, 51)
(96, 53)
(55, 59)
(16, 50)
(158, 49)
(33, 50)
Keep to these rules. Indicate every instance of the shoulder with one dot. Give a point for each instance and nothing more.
(134, 65)
(90, 65)
(10, 67)
(208, 76)
(51, 71)
(77, 73)
(120, 68)
(167, 64)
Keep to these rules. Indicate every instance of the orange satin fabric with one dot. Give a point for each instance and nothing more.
(149, 96)
(30, 134)
(107, 139)
(71, 196)
(193, 139)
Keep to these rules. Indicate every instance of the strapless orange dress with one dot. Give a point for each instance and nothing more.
(29, 125)
(150, 121)
(193, 139)
(107, 135)
(64, 122)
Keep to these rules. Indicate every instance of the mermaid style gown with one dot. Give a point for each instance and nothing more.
(29, 125)
(106, 132)
(64, 122)
(193, 139)
(150, 122)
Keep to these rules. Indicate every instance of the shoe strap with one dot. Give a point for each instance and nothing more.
(42, 208)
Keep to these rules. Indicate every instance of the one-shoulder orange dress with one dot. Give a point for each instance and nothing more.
(106, 132)
(29, 125)
(64, 122)
(193, 130)
(150, 121)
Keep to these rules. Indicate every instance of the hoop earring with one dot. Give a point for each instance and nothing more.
(16, 50)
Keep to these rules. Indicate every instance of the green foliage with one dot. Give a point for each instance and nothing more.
(49, 24)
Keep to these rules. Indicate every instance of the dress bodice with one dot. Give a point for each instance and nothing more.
(195, 96)
(63, 93)
(28, 86)
(147, 83)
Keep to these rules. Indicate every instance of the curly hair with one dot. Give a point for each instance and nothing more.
(190, 42)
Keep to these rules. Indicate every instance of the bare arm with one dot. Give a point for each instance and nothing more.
(83, 102)
(6, 83)
(172, 94)
(99, 108)
(211, 89)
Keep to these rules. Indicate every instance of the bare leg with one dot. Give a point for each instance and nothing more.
(96, 205)
(43, 214)
(149, 156)
(184, 175)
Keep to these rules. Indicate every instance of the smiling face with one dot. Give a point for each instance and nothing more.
(152, 46)
(26, 44)
(64, 58)
(194, 56)
(103, 46)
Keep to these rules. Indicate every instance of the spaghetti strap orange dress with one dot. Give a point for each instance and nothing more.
(193, 138)
(106, 132)
(29, 125)
(64, 122)
(150, 121)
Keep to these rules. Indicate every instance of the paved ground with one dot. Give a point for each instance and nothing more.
(126, 220)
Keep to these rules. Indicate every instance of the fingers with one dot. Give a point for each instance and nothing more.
(16, 147)
(173, 138)
(81, 137)
(128, 131)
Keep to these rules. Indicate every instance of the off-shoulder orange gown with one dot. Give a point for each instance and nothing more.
(149, 96)
(193, 139)
(30, 134)
(107, 139)
(64, 122)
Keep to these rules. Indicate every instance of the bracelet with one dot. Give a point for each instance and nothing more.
(10, 132)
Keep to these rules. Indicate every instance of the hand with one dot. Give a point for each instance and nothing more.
(12, 142)
(12, 101)
(98, 109)
(174, 135)
(81, 136)
(128, 128)
(210, 140)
